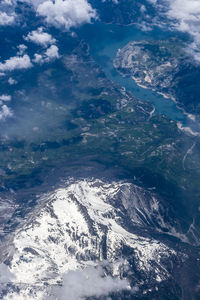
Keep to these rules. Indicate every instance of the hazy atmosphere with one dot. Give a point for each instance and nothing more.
(100, 149)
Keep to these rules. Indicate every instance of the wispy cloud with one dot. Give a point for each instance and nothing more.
(7, 12)
(21, 49)
(5, 274)
(6, 19)
(181, 15)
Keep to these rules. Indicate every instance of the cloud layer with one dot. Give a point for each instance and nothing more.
(87, 283)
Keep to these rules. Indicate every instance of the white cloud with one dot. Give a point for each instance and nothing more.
(66, 13)
(52, 53)
(186, 14)
(5, 97)
(49, 55)
(5, 112)
(22, 48)
(16, 63)
(59, 13)
(40, 37)
(38, 58)
(6, 19)
(89, 282)
(12, 81)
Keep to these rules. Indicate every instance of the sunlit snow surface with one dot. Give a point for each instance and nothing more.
(77, 226)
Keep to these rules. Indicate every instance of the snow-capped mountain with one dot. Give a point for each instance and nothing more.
(81, 225)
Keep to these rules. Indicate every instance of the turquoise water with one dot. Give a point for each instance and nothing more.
(104, 41)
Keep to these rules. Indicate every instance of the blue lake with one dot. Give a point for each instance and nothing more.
(105, 40)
